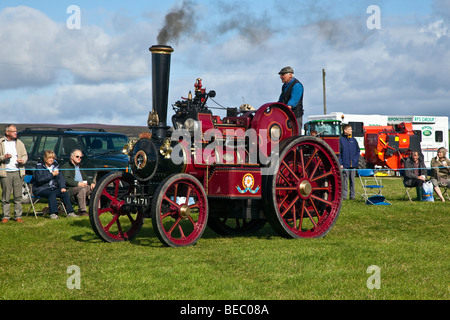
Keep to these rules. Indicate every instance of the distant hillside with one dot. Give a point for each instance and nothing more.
(130, 131)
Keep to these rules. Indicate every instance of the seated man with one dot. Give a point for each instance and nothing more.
(440, 175)
(49, 183)
(415, 173)
(80, 186)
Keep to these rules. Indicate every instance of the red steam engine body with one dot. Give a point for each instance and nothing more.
(232, 174)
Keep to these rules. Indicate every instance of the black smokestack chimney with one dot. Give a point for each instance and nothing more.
(157, 119)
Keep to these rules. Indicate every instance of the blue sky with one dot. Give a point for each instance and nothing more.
(101, 72)
(55, 9)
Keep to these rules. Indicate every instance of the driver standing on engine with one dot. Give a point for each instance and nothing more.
(292, 94)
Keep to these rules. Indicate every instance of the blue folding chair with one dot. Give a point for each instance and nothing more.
(29, 193)
(371, 187)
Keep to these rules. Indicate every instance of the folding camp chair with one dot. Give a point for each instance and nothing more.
(445, 192)
(407, 189)
(371, 187)
(28, 188)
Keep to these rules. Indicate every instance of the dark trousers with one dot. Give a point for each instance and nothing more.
(298, 112)
(300, 124)
(414, 183)
(418, 183)
(51, 195)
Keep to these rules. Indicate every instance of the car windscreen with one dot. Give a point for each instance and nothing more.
(101, 144)
(29, 142)
(326, 128)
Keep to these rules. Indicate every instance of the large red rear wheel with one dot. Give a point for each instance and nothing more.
(179, 210)
(108, 218)
(303, 194)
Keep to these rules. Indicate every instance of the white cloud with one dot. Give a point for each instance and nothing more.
(38, 50)
(438, 28)
(114, 103)
(27, 37)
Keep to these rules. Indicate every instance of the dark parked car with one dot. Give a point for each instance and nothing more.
(102, 150)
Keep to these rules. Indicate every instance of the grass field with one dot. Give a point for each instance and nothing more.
(408, 242)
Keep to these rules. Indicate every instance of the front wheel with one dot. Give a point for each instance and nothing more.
(108, 219)
(179, 210)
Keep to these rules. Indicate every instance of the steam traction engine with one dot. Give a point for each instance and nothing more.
(231, 174)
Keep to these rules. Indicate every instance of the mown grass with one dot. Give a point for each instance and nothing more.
(408, 241)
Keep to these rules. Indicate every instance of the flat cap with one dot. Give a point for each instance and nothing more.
(286, 70)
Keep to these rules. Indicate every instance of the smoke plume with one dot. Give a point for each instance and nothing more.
(177, 22)
(240, 19)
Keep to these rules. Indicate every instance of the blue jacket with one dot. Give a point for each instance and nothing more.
(348, 152)
(42, 177)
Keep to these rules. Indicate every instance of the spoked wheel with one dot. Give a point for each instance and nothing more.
(108, 219)
(179, 210)
(303, 194)
(235, 226)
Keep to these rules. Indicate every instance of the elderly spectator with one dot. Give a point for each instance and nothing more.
(80, 186)
(13, 156)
